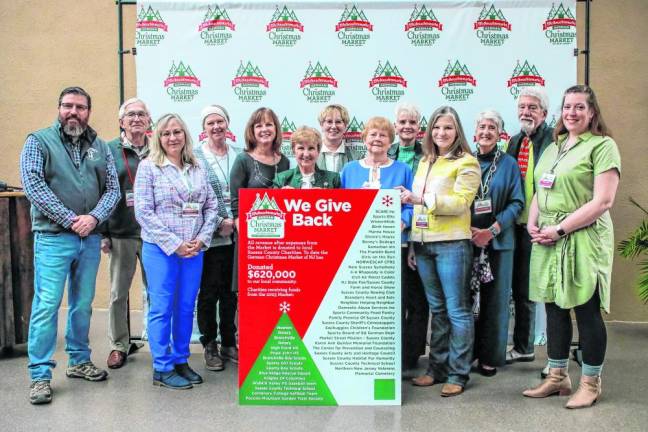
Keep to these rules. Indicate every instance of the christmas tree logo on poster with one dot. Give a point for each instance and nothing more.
(560, 26)
(150, 27)
(524, 75)
(217, 27)
(492, 28)
(423, 27)
(285, 372)
(287, 129)
(318, 84)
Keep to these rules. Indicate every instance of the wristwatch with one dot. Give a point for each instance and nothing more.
(561, 232)
(493, 230)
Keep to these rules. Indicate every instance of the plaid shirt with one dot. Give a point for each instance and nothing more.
(160, 192)
(39, 193)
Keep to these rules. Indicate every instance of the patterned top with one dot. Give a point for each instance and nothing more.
(161, 191)
(448, 187)
(568, 272)
(39, 193)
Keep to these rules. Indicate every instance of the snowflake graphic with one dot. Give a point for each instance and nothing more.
(387, 201)
(284, 307)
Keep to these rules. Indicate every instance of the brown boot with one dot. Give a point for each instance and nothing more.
(557, 382)
(589, 391)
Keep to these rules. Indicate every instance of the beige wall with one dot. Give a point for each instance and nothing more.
(47, 45)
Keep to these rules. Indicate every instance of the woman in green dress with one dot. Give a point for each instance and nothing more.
(306, 145)
(571, 230)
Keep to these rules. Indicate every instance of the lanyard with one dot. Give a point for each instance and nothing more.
(484, 186)
(185, 177)
(128, 171)
(226, 177)
(562, 152)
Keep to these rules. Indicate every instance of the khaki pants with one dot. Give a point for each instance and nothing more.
(124, 254)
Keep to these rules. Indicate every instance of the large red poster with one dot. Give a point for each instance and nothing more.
(319, 296)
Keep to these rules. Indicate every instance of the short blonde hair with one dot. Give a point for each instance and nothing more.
(344, 114)
(157, 153)
(492, 115)
(308, 135)
(380, 123)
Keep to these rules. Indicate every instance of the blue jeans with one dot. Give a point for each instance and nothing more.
(445, 268)
(57, 258)
(173, 284)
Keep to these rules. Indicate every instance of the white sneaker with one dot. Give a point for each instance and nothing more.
(513, 356)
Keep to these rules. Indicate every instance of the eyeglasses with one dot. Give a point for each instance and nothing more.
(176, 133)
(133, 114)
(70, 106)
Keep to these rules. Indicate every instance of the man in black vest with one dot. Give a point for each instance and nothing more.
(121, 232)
(70, 179)
(526, 147)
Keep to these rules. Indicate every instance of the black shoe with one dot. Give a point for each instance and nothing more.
(189, 374)
(486, 372)
(212, 361)
(171, 379)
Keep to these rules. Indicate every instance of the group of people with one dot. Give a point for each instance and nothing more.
(528, 219)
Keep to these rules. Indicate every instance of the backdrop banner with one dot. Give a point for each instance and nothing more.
(297, 57)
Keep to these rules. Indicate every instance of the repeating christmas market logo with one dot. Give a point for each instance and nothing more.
(318, 84)
(456, 81)
(353, 138)
(181, 83)
(248, 83)
(265, 219)
(386, 82)
(421, 133)
(283, 28)
(423, 27)
(491, 27)
(525, 75)
(354, 27)
(287, 129)
(150, 27)
(217, 27)
(560, 26)
(552, 123)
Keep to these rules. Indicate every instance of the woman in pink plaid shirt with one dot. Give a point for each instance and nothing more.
(177, 209)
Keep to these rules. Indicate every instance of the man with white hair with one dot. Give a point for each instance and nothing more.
(69, 177)
(121, 233)
(526, 147)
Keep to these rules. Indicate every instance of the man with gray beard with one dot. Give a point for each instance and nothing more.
(69, 177)
(526, 147)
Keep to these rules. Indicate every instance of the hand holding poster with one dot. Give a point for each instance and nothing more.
(319, 297)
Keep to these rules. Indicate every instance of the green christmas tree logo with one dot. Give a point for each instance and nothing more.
(265, 219)
(491, 18)
(423, 19)
(216, 19)
(525, 74)
(181, 75)
(387, 75)
(559, 18)
(456, 73)
(318, 76)
(149, 19)
(423, 128)
(284, 18)
(287, 129)
(249, 75)
(354, 131)
(353, 18)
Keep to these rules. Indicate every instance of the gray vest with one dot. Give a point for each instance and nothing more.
(79, 189)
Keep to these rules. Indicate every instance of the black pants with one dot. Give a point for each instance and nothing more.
(414, 314)
(591, 331)
(216, 289)
(524, 329)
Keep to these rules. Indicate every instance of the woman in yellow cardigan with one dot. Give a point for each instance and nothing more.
(443, 190)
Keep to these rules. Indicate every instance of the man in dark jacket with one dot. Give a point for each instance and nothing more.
(70, 179)
(526, 147)
(121, 233)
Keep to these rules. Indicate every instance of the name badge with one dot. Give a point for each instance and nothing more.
(190, 209)
(130, 198)
(483, 206)
(421, 221)
(547, 180)
(371, 185)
